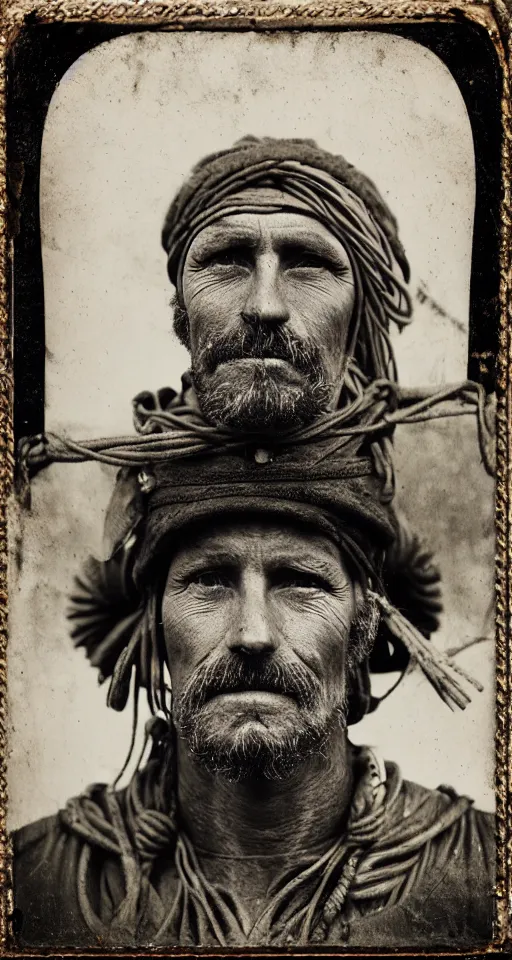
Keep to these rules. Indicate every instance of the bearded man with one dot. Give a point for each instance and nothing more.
(245, 596)
(288, 272)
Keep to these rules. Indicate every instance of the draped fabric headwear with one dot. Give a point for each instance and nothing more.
(268, 176)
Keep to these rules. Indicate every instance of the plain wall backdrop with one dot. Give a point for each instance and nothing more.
(124, 127)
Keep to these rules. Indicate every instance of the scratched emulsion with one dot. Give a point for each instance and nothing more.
(125, 125)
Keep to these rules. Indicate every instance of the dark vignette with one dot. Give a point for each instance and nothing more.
(42, 55)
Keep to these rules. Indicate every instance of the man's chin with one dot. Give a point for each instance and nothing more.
(253, 737)
(250, 369)
(259, 395)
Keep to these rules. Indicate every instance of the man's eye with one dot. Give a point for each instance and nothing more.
(307, 261)
(232, 257)
(298, 580)
(211, 578)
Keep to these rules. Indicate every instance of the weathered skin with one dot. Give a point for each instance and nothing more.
(254, 591)
(277, 270)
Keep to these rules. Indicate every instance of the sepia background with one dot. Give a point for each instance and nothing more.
(124, 127)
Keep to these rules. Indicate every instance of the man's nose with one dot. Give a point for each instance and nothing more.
(265, 301)
(253, 633)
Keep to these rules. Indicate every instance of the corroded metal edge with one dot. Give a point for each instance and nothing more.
(232, 13)
(495, 17)
(504, 512)
(6, 473)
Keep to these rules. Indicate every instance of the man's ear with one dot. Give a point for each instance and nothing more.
(359, 692)
(362, 637)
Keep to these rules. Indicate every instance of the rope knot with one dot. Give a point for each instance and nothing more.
(155, 833)
(386, 390)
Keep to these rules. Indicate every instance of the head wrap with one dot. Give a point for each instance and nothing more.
(340, 497)
(114, 609)
(268, 176)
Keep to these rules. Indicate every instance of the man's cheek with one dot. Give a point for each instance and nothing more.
(324, 312)
(193, 631)
(319, 634)
(214, 300)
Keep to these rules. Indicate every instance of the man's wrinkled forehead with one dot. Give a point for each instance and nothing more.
(259, 228)
(258, 539)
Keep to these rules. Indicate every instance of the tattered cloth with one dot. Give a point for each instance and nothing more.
(339, 496)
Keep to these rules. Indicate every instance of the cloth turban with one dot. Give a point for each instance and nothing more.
(252, 162)
(340, 497)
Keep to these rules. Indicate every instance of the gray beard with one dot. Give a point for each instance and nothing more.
(259, 752)
(252, 754)
(259, 402)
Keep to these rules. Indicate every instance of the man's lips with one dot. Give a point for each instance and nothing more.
(251, 694)
(267, 359)
(245, 693)
(285, 367)
(255, 704)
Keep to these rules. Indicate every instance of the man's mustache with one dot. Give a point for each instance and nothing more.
(261, 341)
(235, 674)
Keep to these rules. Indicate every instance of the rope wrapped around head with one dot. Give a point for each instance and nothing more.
(270, 175)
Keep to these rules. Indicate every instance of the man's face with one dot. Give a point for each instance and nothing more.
(256, 621)
(269, 299)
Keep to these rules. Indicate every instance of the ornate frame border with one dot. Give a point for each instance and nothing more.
(495, 17)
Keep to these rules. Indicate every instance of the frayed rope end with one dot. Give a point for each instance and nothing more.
(441, 672)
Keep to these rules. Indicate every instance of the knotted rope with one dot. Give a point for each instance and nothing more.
(180, 432)
(166, 434)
